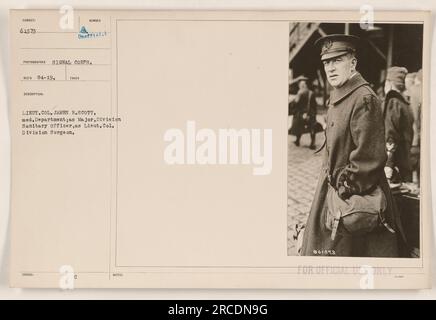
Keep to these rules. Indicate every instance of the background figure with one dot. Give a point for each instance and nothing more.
(415, 106)
(398, 127)
(303, 109)
(409, 81)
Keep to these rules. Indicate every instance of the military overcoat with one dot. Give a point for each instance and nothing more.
(399, 132)
(354, 160)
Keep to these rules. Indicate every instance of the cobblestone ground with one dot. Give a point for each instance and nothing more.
(303, 170)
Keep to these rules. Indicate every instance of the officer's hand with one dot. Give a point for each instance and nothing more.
(304, 116)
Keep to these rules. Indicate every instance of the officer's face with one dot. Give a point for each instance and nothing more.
(339, 69)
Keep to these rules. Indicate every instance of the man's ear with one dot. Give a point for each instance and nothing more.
(354, 62)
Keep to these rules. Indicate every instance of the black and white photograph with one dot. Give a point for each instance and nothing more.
(250, 150)
(354, 127)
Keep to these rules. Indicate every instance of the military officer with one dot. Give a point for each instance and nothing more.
(416, 105)
(354, 157)
(398, 126)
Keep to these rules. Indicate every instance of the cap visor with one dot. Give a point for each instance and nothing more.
(333, 55)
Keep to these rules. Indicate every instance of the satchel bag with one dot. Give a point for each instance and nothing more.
(359, 214)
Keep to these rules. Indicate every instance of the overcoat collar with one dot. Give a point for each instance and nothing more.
(351, 85)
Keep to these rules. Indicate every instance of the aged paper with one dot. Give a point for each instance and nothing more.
(124, 171)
